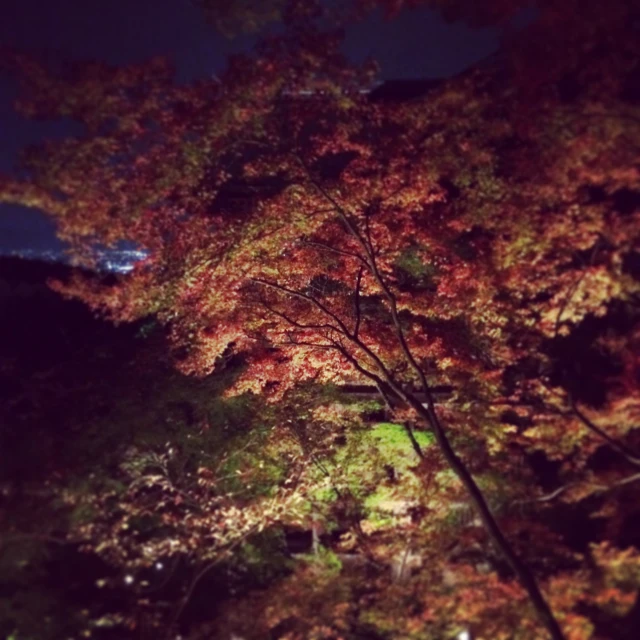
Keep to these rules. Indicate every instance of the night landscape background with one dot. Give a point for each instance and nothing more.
(320, 320)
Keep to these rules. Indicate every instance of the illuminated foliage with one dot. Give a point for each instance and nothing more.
(482, 237)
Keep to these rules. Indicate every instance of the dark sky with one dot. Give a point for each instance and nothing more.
(417, 44)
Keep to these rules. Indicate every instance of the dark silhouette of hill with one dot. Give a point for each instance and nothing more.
(40, 328)
(58, 363)
(21, 276)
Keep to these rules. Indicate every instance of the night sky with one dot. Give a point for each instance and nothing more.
(417, 44)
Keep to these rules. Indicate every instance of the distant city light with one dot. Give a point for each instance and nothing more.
(128, 579)
(116, 260)
(463, 635)
(159, 566)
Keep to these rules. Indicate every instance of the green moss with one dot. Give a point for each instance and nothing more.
(382, 495)
(393, 441)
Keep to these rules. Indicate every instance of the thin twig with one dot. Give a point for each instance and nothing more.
(621, 448)
(199, 576)
(314, 301)
(599, 488)
(356, 303)
(340, 252)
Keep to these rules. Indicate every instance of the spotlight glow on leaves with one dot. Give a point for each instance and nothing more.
(466, 239)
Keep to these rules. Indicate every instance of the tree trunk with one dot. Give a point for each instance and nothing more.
(523, 573)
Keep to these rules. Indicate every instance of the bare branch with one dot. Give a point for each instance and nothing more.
(295, 323)
(356, 303)
(341, 252)
(298, 294)
(407, 427)
(621, 448)
(598, 488)
(566, 302)
(200, 575)
(304, 343)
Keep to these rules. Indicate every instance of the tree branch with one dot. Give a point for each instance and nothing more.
(314, 301)
(356, 303)
(295, 323)
(599, 488)
(340, 252)
(429, 415)
(621, 448)
(199, 576)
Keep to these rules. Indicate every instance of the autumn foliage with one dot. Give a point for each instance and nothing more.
(482, 236)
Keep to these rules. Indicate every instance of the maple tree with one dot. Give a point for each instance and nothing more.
(92, 418)
(479, 237)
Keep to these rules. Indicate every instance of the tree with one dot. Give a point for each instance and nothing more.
(108, 460)
(324, 238)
